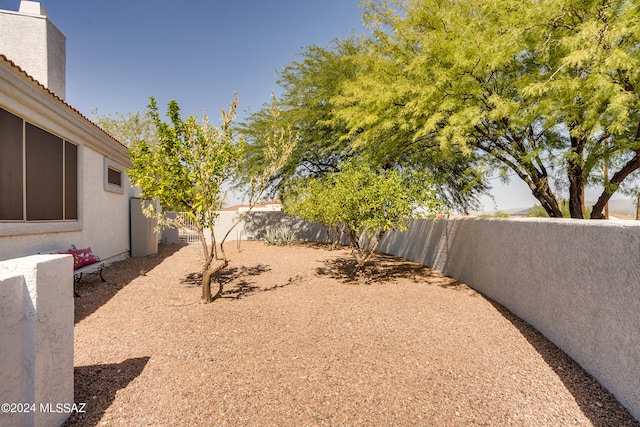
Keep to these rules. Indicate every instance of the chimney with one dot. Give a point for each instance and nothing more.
(32, 8)
(30, 39)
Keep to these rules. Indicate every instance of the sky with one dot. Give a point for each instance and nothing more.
(119, 53)
(199, 52)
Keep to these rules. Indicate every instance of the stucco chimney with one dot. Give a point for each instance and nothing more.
(30, 39)
(32, 8)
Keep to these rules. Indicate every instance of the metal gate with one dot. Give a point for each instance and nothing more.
(188, 232)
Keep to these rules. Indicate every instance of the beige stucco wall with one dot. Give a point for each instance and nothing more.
(36, 339)
(255, 225)
(105, 214)
(103, 221)
(37, 46)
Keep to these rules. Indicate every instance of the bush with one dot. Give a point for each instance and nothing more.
(283, 236)
(498, 214)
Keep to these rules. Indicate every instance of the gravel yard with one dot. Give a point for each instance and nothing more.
(294, 343)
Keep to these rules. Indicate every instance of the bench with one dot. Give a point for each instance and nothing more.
(84, 261)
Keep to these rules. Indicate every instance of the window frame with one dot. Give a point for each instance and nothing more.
(117, 167)
(70, 216)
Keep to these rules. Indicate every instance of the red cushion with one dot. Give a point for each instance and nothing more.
(76, 260)
(86, 256)
(81, 257)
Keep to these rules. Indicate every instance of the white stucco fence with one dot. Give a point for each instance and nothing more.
(36, 340)
(253, 227)
(577, 282)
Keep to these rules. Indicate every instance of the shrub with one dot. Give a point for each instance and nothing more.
(283, 236)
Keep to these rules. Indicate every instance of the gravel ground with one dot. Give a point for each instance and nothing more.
(294, 343)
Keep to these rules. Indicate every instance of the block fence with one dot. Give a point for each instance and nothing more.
(36, 340)
(577, 282)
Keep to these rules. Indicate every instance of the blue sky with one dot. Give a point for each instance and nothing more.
(119, 53)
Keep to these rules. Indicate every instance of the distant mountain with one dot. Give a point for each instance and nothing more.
(616, 206)
(622, 206)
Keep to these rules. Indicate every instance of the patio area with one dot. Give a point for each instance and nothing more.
(294, 342)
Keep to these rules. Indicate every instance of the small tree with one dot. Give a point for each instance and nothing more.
(185, 171)
(276, 144)
(366, 201)
(186, 168)
(312, 199)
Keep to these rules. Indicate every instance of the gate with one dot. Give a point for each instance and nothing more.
(188, 233)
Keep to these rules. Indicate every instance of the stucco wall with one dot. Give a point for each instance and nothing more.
(103, 221)
(255, 225)
(577, 282)
(36, 339)
(105, 214)
(37, 46)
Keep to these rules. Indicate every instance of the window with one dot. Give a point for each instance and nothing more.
(38, 173)
(113, 176)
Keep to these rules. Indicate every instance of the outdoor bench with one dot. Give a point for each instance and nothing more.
(84, 261)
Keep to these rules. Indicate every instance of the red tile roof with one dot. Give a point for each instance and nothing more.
(17, 67)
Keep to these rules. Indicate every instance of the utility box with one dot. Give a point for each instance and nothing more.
(144, 240)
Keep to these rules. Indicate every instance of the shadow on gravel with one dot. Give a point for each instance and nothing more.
(596, 402)
(94, 293)
(378, 270)
(238, 283)
(97, 385)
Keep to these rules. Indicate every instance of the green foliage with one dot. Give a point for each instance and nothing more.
(313, 90)
(186, 168)
(545, 88)
(271, 144)
(496, 215)
(128, 128)
(282, 236)
(538, 212)
(366, 201)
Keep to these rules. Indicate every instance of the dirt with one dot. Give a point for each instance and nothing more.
(294, 342)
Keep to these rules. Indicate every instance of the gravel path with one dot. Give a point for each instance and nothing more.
(294, 343)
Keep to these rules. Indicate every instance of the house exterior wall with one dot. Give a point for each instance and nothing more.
(35, 45)
(103, 216)
(105, 213)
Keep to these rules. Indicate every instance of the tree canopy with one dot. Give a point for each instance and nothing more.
(312, 88)
(547, 89)
(127, 128)
(191, 162)
(185, 171)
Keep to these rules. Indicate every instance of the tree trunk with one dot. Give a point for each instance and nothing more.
(575, 172)
(363, 255)
(541, 191)
(206, 280)
(630, 167)
(576, 196)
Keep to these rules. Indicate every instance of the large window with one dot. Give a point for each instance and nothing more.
(38, 173)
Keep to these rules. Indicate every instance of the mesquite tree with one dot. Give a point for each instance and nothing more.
(545, 89)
